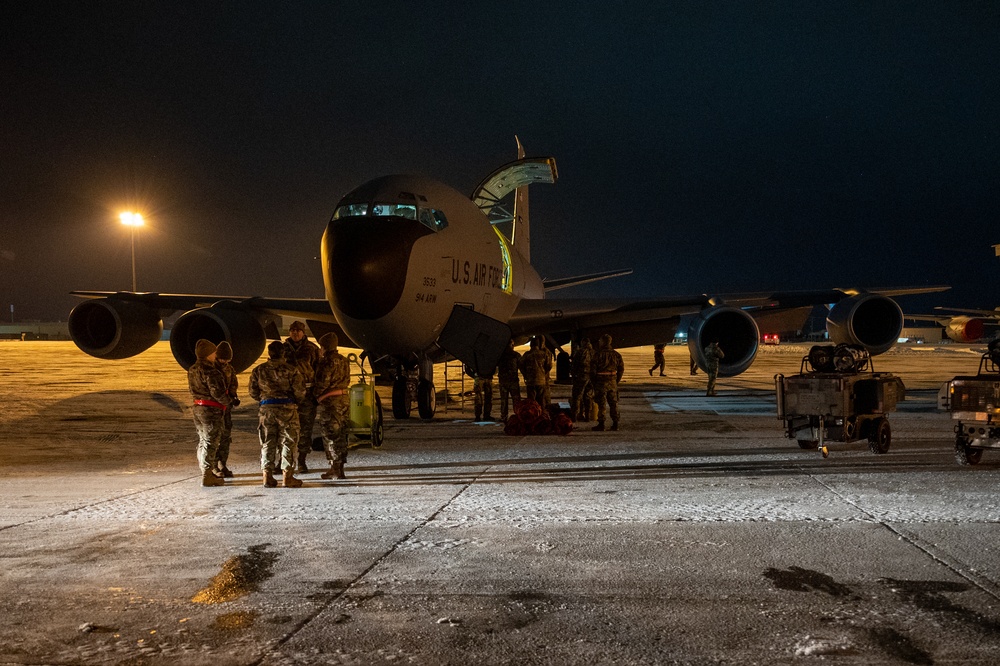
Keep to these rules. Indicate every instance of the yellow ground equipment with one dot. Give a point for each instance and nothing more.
(365, 422)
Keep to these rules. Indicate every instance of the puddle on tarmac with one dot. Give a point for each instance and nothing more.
(240, 576)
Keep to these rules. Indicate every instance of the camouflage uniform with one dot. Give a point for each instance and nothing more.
(232, 383)
(659, 361)
(712, 356)
(275, 380)
(333, 374)
(606, 371)
(482, 393)
(535, 367)
(510, 386)
(208, 386)
(583, 356)
(304, 355)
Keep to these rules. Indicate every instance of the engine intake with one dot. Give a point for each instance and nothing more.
(737, 334)
(225, 320)
(114, 329)
(869, 320)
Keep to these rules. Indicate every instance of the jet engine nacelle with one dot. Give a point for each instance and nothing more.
(965, 329)
(869, 320)
(225, 320)
(737, 335)
(114, 329)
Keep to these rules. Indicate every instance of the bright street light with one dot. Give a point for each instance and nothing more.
(132, 220)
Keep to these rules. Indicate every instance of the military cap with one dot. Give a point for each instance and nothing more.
(329, 341)
(297, 326)
(204, 348)
(224, 352)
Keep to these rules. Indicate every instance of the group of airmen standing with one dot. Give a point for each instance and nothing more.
(300, 386)
(595, 376)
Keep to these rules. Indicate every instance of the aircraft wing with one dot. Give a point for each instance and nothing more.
(630, 315)
(988, 314)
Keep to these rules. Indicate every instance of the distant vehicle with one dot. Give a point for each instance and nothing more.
(772, 339)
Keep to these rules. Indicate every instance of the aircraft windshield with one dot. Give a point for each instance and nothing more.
(434, 220)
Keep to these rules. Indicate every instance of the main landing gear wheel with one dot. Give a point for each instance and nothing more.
(965, 454)
(880, 436)
(426, 399)
(401, 404)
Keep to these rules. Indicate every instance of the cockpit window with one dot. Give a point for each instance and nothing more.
(350, 210)
(409, 211)
(433, 219)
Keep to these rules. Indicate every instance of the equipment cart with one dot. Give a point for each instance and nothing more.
(365, 422)
(974, 401)
(837, 397)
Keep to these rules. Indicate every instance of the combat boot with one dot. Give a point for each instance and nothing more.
(303, 467)
(331, 473)
(208, 479)
(289, 481)
(269, 481)
(226, 472)
(599, 427)
(614, 425)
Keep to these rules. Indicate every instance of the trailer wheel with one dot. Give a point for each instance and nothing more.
(378, 427)
(965, 454)
(811, 444)
(880, 436)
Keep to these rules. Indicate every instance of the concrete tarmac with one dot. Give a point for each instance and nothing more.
(698, 534)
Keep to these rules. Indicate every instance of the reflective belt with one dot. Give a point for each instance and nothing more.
(210, 403)
(277, 401)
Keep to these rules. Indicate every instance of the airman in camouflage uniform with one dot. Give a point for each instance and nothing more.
(583, 356)
(659, 360)
(211, 400)
(535, 367)
(331, 389)
(223, 355)
(510, 385)
(606, 371)
(303, 354)
(279, 388)
(482, 394)
(712, 356)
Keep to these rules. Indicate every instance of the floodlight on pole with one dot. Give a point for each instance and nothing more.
(132, 220)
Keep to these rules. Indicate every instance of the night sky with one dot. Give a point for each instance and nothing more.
(712, 147)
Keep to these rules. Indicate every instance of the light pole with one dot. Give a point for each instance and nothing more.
(132, 220)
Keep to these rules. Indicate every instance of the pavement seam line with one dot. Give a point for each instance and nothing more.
(913, 541)
(319, 610)
(66, 512)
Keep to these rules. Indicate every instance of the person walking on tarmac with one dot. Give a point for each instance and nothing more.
(223, 356)
(658, 360)
(303, 354)
(510, 385)
(331, 389)
(279, 388)
(580, 362)
(713, 354)
(608, 368)
(535, 366)
(211, 400)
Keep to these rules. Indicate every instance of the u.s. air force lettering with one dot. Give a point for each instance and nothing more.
(478, 274)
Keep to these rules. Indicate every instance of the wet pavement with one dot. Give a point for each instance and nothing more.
(697, 534)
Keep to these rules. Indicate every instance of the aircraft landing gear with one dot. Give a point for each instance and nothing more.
(401, 403)
(426, 399)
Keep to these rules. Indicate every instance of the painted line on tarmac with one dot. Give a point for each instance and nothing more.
(755, 403)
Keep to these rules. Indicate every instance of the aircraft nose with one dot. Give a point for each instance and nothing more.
(365, 262)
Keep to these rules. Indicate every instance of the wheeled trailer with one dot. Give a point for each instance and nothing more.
(365, 423)
(836, 398)
(974, 402)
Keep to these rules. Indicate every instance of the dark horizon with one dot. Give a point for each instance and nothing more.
(710, 148)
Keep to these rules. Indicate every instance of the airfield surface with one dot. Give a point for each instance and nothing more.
(697, 534)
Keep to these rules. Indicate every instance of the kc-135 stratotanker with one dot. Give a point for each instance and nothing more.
(418, 273)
